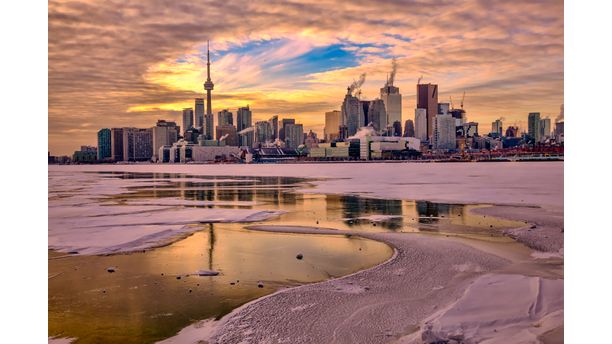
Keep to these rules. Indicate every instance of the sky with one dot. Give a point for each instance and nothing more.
(125, 63)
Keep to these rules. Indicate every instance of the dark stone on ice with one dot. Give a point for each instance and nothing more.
(110, 269)
(299, 256)
(178, 277)
(259, 285)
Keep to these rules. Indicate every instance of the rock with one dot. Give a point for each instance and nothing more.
(533, 227)
(207, 273)
(190, 290)
(232, 283)
(259, 285)
(73, 252)
(178, 277)
(111, 269)
(299, 256)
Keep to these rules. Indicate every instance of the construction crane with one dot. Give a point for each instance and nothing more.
(451, 102)
(462, 99)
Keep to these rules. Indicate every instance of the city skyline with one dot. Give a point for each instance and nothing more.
(509, 60)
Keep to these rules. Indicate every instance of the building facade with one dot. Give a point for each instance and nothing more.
(187, 119)
(165, 133)
(409, 128)
(392, 99)
(199, 113)
(137, 144)
(284, 123)
(225, 117)
(263, 132)
(420, 124)
(533, 126)
(294, 135)
(352, 113)
(377, 115)
(427, 98)
(444, 132)
(104, 144)
(228, 134)
(117, 144)
(332, 125)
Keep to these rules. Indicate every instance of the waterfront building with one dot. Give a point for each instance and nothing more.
(117, 144)
(420, 121)
(187, 119)
(409, 128)
(459, 116)
(427, 98)
(444, 132)
(165, 133)
(377, 116)
(284, 123)
(87, 154)
(263, 132)
(274, 124)
(137, 144)
(332, 125)
(227, 133)
(545, 128)
(443, 108)
(533, 126)
(496, 127)
(512, 131)
(104, 144)
(352, 113)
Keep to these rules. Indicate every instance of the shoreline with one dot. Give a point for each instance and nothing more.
(267, 318)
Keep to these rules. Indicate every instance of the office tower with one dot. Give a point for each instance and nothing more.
(104, 144)
(409, 128)
(420, 122)
(427, 98)
(199, 113)
(187, 119)
(274, 124)
(164, 134)
(559, 128)
(352, 113)
(496, 127)
(191, 135)
(365, 107)
(244, 118)
(117, 144)
(208, 86)
(444, 132)
(227, 133)
(332, 123)
(533, 126)
(224, 117)
(137, 144)
(342, 132)
(443, 108)
(377, 116)
(294, 135)
(459, 116)
(284, 123)
(545, 128)
(393, 103)
(263, 132)
(397, 128)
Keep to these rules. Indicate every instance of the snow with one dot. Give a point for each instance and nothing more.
(377, 218)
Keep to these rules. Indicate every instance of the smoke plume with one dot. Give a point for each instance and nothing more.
(560, 118)
(357, 84)
(393, 72)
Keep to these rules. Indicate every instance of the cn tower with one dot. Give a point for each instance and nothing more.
(208, 86)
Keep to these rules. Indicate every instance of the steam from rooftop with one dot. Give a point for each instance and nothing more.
(357, 84)
(391, 78)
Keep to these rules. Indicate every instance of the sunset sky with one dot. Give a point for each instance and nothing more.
(129, 63)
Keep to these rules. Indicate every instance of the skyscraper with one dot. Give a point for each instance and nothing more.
(352, 113)
(496, 127)
(397, 129)
(199, 113)
(533, 125)
(274, 123)
(227, 133)
(263, 131)
(427, 98)
(187, 119)
(294, 135)
(137, 144)
(444, 132)
(545, 128)
(117, 144)
(377, 115)
(208, 86)
(244, 118)
(420, 122)
(393, 103)
(164, 134)
(332, 123)
(104, 144)
(225, 117)
(284, 123)
(409, 128)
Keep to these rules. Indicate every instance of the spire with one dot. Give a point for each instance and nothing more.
(208, 59)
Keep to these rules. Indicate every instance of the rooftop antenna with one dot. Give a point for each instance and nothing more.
(462, 99)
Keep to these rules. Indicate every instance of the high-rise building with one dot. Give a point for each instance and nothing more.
(420, 122)
(545, 128)
(117, 144)
(427, 98)
(459, 116)
(444, 132)
(165, 133)
(512, 131)
(224, 117)
(227, 133)
(294, 135)
(199, 113)
(332, 123)
(137, 144)
(208, 86)
(443, 108)
(533, 126)
(377, 115)
(274, 123)
(409, 128)
(397, 128)
(393, 103)
(496, 127)
(263, 132)
(244, 118)
(104, 144)
(187, 119)
(284, 123)
(352, 113)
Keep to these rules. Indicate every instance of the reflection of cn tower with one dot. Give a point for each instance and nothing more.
(211, 245)
(208, 86)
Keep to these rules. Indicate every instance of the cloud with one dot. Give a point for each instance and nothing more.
(119, 63)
